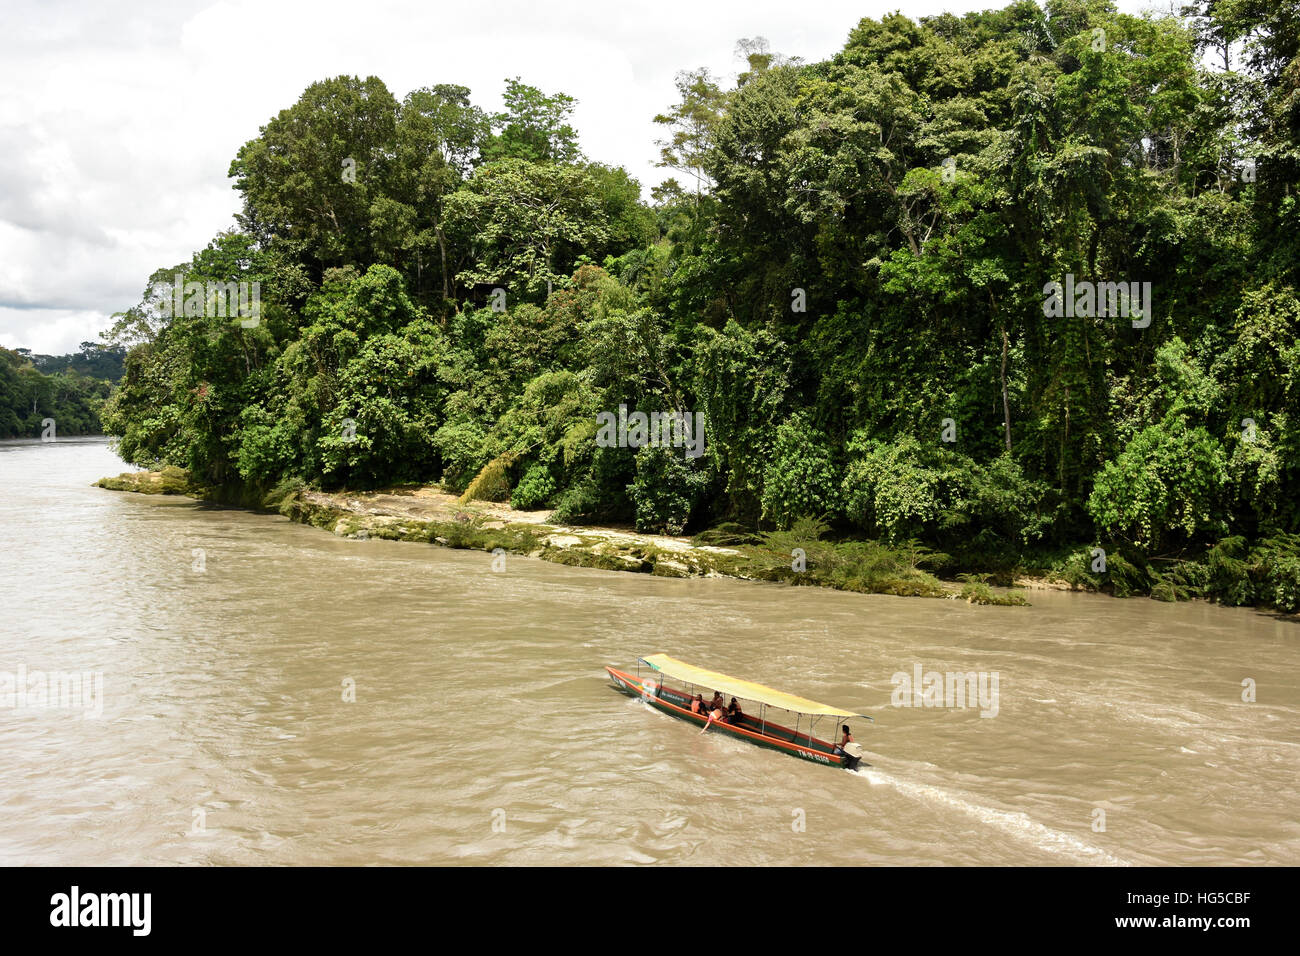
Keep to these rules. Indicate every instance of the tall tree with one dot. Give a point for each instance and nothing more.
(690, 125)
(534, 126)
(310, 176)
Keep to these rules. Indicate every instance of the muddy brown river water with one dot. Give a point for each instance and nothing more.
(251, 691)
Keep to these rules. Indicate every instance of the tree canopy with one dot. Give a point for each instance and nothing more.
(851, 289)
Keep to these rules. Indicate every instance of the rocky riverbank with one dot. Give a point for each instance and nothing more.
(429, 515)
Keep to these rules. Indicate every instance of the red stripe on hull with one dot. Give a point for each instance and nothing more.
(631, 684)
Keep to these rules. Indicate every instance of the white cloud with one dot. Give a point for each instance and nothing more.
(48, 331)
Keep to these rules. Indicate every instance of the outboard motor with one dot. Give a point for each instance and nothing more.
(852, 756)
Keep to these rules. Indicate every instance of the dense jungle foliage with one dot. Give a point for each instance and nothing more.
(848, 280)
(70, 389)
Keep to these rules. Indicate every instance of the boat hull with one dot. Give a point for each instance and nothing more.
(677, 704)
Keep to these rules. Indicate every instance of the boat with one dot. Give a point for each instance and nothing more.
(756, 729)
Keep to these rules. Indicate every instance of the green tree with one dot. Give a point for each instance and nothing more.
(524, 220)
(311, 175)
(534, 127)
(690, 124)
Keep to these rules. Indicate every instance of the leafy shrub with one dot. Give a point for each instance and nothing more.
(870, 567)
(600, 491)
(1268, 573)
(1166, 483)
(534, 489)
(463, 447)
(665, 490)
(1076, 571)
(492, 483)
(283, 493)
(1181, 581)
(903, 489)
(1278, 560)
(1128, 574)
(581, 501)
(890, 488)
(976, 590)
(174, 480)
(800, 479)
(998, 500)
(1230, 571)
(1170, 481)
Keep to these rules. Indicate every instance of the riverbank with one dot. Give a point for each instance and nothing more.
(426, 514)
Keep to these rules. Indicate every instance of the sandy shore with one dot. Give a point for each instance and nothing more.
(428, 514)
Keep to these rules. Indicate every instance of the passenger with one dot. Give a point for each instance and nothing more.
(716, 715)
(717, 701)
(697, 705)
(844, 742)
(734, 713)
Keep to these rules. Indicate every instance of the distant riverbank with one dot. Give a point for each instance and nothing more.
(425, 513)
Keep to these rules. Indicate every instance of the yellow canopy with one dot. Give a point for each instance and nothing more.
(747, 690)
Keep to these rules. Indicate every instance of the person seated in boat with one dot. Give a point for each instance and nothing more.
(734, 713)
(697, 705)
(844, 742)
(717, 701)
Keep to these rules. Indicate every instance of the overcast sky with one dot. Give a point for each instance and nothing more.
(118, 120)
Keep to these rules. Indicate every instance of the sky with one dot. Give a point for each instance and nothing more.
(118, 120)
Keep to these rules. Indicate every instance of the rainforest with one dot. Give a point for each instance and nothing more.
(843, 279)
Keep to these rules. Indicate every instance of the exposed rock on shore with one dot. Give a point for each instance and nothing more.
(429, 515)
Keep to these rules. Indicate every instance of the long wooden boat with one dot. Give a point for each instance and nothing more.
(756, 729)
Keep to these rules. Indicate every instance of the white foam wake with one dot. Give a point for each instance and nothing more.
(1015, 823)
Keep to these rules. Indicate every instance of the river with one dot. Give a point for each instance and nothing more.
(272, 694)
